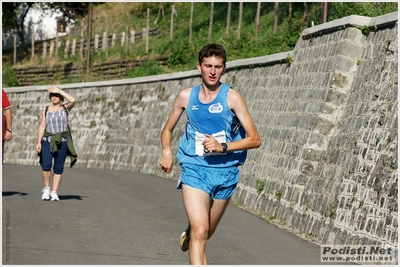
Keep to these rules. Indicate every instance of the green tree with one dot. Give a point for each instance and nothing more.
(14, 14)
(72, 11)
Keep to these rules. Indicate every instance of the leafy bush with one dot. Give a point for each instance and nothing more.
(147, 69)
(9, 78)
(180, 54)
(339, 10)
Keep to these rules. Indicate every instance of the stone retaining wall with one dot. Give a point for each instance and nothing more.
(327, 114)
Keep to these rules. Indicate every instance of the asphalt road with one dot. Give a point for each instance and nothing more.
(107, 217)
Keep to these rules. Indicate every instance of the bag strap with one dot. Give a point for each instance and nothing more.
(45, 114)
(66, 110)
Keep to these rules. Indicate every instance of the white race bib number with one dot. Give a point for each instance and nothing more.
(220, 137)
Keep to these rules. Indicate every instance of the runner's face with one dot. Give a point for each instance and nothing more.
(211, 70)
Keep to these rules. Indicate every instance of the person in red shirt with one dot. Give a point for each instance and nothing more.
(7, 120)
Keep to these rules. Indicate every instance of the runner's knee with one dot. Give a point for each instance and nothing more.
(199, 233)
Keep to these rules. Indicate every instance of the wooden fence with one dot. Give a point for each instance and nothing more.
(46, 49)
(72, 72)
(79, 47)
(59, 49)
(63, 72)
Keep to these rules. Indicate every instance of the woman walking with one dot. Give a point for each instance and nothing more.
(55, 141)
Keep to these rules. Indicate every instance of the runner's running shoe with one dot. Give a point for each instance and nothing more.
(184, 240)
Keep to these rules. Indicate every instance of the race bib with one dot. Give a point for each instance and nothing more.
(220, 137)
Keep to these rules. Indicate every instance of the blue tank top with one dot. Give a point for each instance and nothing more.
(214, 118)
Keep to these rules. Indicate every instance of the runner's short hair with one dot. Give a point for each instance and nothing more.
(210, 50)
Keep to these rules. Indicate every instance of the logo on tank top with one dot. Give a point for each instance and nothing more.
(215, 108)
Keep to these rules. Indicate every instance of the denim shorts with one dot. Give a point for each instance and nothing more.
(219, 183)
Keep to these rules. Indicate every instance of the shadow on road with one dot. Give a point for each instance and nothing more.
(11, 193)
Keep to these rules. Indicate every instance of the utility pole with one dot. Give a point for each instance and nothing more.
(324, 12)
(89, 29)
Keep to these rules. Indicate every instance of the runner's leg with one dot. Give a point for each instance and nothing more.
(197, 206)
(218, 208)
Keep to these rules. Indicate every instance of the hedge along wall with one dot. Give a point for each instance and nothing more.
(326, 112)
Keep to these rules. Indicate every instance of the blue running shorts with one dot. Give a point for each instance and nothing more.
(219, 183)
